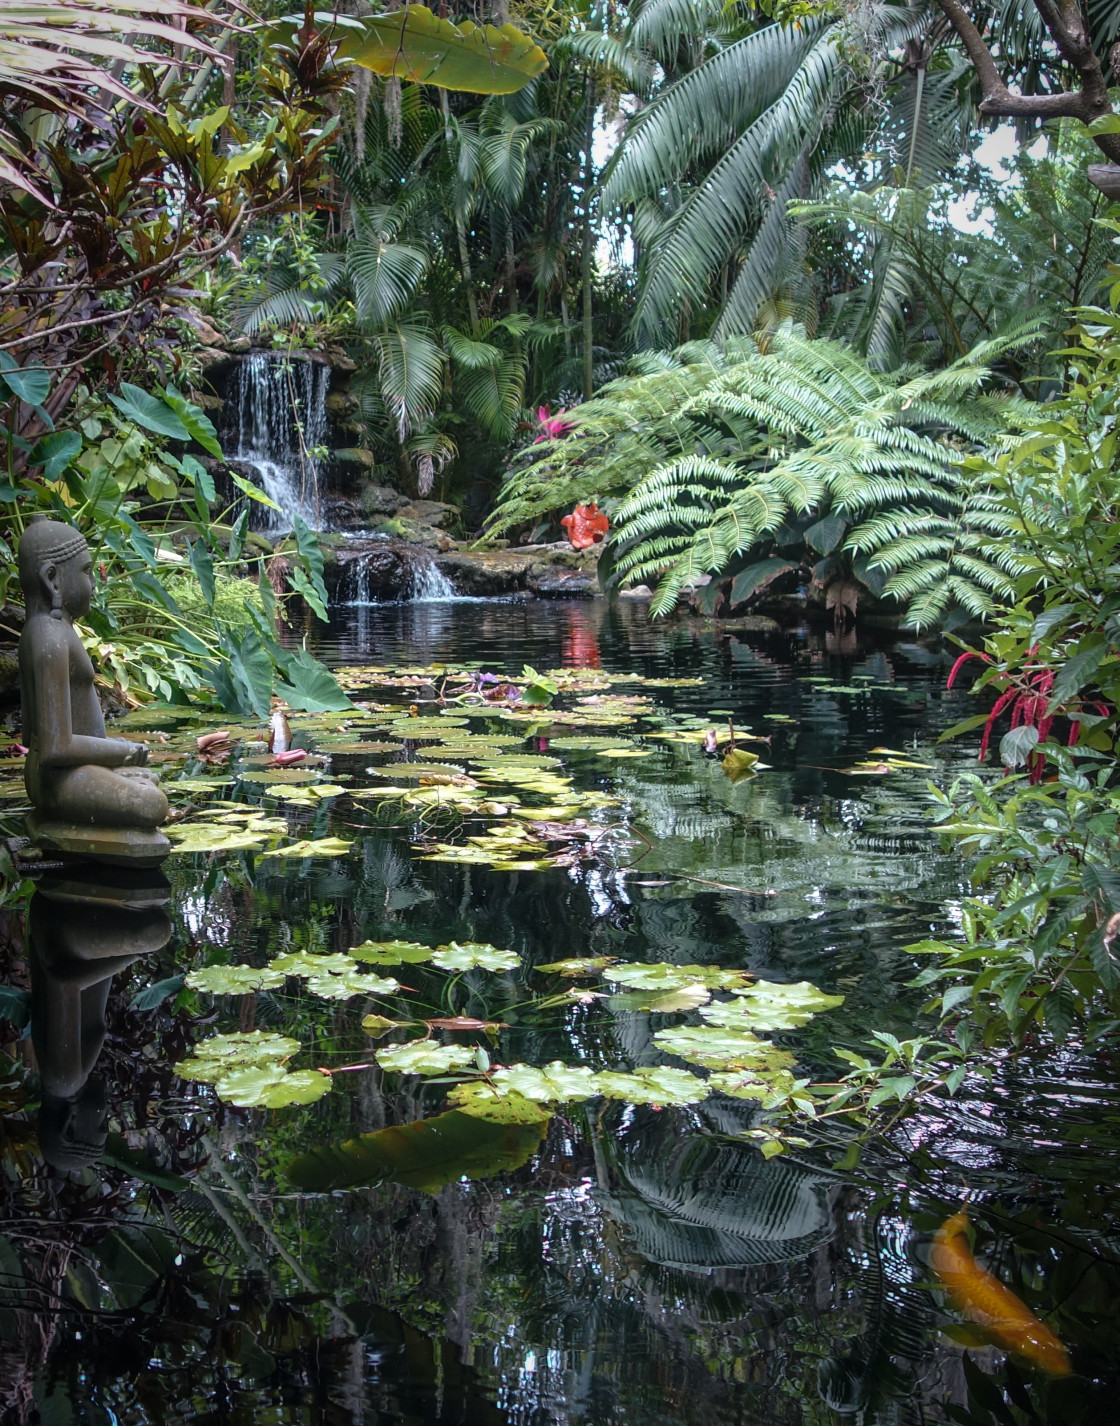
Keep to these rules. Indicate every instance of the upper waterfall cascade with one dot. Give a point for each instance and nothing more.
(281, 425)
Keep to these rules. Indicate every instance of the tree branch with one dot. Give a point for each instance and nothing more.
(1066, 25)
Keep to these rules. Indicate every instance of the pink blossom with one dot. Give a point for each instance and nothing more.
(554, 426)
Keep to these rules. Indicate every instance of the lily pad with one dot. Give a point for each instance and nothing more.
(556, 1083)
(287, 775)
(739, 764)
(425, 1057)
(659, 975)
(659, 1085)
(221, 1054)
(392, 953)
(214, 837)
(471, 955)
(324, 847)
(272, 1087)
(770, 1005)
(577, 965)
(718, 1048)
(234, 980)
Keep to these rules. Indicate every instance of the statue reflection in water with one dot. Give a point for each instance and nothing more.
(86, 926)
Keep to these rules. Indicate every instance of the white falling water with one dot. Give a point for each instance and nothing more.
(430, 585)
(281, 420)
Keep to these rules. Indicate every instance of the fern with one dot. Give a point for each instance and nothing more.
(713, 460)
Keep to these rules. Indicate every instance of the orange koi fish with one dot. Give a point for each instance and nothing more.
(984, 1299)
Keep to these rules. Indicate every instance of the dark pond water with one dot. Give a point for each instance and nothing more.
(640, 1265)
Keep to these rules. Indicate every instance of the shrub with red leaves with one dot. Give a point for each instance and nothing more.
(1027, 696)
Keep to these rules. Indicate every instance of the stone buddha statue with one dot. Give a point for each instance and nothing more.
(92, 794)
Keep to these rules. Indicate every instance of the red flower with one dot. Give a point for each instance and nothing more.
(586, 526)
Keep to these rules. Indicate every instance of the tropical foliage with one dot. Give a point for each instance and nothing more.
(750, 463)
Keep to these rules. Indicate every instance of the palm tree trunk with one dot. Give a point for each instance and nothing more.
(588, 240)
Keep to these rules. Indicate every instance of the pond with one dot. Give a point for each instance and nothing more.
(194, 1256)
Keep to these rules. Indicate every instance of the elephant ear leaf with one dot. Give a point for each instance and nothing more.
(425, 1154)
(412, 43)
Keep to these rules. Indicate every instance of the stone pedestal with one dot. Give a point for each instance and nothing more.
(119, 846)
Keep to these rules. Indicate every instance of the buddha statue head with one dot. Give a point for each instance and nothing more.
(55, 569)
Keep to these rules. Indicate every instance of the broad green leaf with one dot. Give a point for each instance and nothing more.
(425, 1155)
(152, 996)
(311, 687)
(146, 410)
(659, 1085)
(195, 420)
(29, 383)
(244, 683)
(203, 565)
(471, 955)
(413, 44)
(425, 1057)
(345, 987)
(55, 451)
(216, 1056)
(392, 953)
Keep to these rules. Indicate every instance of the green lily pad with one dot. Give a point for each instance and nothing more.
(234, 980)
(220, 1054)
(739, 764)
(472, 955)
(392, 953)
(718, 1048)
(768, 1087)
(272, 1087)
(659, 1085)
(214, 837)
(324, 847)
(483, 1101)
(770, 1005)
(577, 965)
(288, 775)
(659, 975)
(555, 1083)
(425, 1057)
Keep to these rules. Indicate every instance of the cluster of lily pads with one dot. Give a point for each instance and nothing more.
(724, 1053)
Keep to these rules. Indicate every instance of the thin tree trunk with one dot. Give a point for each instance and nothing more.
(588, 242)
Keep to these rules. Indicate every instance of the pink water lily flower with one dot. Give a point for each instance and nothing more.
(554, 426)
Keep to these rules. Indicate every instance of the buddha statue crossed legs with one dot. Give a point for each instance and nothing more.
(93, 794)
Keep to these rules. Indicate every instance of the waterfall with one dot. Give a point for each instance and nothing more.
(392, 572)
(429, 583)
(280, 400)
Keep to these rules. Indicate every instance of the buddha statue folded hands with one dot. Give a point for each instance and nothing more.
(92, 794)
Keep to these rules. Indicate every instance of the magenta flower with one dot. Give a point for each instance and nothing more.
(553, 426)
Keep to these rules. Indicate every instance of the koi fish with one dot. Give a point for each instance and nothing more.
(984, 1299)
